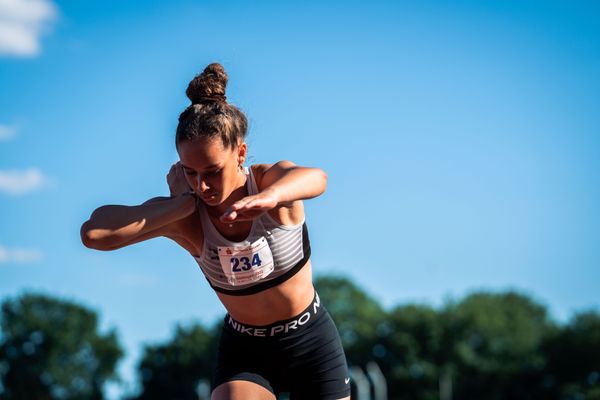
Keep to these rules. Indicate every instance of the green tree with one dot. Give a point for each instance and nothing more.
(173, 370)
(573, 370)
(488, 345)
(498, 346)
(51, 349)
(412, 348)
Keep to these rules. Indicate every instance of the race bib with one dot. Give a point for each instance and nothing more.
(246, 264)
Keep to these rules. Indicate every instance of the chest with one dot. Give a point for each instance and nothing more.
(191, 236)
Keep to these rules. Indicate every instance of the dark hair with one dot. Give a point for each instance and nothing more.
(210, 115)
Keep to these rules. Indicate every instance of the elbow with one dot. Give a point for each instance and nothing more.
(93, 238)
(323, 180)
(89, 238)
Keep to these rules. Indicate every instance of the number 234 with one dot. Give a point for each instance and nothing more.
(244, 264)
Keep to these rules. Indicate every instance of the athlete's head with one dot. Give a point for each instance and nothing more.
(210, 137)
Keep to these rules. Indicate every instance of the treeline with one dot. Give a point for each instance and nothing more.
(486, 346)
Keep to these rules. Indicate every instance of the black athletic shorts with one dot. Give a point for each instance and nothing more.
(302, 355)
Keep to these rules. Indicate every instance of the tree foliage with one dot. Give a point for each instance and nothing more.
(497, 351)
(412, 348)
(51, 349)
(174, 370)
(573, 353)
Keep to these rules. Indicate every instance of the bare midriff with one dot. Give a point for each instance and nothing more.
(281, 302)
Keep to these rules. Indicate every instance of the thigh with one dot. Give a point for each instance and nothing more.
(320, 370)
(241, 390)
(243, 364)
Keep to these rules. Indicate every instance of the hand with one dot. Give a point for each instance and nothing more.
(176, 180)
(250, 207)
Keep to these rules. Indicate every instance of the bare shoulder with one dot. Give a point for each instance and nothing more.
(267, 174)
(259, 170)
(291, 213)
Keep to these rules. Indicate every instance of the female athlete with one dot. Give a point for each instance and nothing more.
(245, 228)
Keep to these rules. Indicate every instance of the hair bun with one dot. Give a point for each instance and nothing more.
(209, 86)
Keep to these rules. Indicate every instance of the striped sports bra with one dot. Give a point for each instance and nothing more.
(271, 253)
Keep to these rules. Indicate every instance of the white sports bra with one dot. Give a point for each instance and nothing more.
(271, 254)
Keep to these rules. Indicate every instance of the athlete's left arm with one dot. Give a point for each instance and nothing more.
(280, 185)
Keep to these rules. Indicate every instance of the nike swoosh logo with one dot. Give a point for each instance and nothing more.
(347, 380)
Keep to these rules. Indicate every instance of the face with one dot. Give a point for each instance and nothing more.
(212, 170)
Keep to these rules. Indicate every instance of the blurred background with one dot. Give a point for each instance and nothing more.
(456, 245)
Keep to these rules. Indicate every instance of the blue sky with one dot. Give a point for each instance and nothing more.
(461, 140)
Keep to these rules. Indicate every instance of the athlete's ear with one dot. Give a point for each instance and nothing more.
(242, 152)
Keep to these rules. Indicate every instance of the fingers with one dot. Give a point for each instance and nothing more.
(173, 169)
(229, 216)
(238, 217)
(176, 180)
(248, 208)
(234, 216)
(245, 209)
(245, 203)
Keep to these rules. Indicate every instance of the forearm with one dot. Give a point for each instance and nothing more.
(297, 183)
(114, 225)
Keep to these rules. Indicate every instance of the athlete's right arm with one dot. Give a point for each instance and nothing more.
(114, 226)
